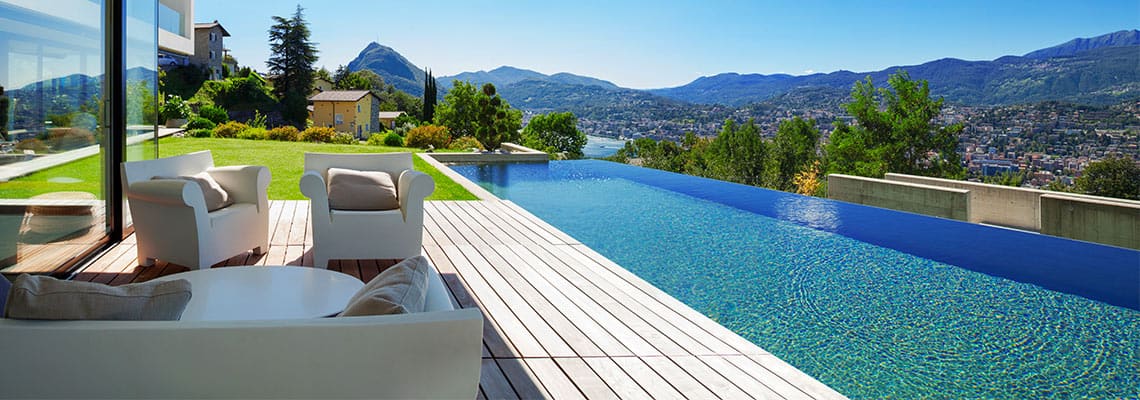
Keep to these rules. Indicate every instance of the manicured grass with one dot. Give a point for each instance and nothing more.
(285, 161)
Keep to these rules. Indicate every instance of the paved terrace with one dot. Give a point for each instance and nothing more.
(561, 321)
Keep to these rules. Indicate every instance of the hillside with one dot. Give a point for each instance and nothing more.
(506, 75)
(1099, 76)
(390, 65)
(1072, 47)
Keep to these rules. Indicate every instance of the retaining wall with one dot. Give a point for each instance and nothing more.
(1115, 223)
(903, 196)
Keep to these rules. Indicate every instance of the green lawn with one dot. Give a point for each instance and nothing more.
(285, 161)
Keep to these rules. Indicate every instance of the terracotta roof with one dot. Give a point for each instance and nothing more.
(208, 25)
(339, 95)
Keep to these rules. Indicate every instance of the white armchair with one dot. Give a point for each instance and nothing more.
(344, 234)
(170, 216)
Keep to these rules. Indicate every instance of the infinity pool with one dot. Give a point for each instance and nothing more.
(872, 302)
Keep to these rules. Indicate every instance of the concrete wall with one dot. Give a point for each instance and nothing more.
(992, 204)
(921, 199)
(1093, 220)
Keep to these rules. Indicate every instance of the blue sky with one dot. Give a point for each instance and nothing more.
(652, 44)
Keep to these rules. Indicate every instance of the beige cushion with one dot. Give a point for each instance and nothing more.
(361, 190)
(44, 297)
(400, 289)
(216, 197)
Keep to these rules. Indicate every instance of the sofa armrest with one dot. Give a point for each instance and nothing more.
(313, 186)
(244, 183)
(168, 192)
(414, 186)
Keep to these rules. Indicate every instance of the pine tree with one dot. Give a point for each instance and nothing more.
(429, 97)
(292, 61)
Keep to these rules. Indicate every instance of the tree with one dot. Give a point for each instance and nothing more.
(496, 121)
(361, 80)
(895, 132)
(457, 112)
(323, 73)
(1111, 177)
(555, 132)
(292, 59)
(793, 149)
(738, 154)
(430, 94)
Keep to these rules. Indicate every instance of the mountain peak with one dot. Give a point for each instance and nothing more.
(390, 65)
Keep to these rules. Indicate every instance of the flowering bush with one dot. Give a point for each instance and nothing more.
(433, 135)
(228, 130)
(286, 133)
(318, 134)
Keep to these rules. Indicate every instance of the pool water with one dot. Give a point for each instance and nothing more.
(870, 320)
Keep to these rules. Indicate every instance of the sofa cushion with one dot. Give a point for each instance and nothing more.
(216, 197)
(44, 297)
(400, 289)
(361, 190)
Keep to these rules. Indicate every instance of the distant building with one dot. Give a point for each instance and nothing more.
(321, 85)
(209, 50)
(388, 118)
(351, 111)
(998, 167)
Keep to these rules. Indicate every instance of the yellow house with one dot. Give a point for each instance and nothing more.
(349, 111)
(388, 118)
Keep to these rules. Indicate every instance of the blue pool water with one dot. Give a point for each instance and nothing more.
(874, 303)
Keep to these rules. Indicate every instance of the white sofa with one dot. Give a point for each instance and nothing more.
(341, 234)
(171, 219)
(434, 354)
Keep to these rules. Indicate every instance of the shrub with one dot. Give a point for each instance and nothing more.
(175, 108)
(434, 135)
(199, 133)
(229, 129)
(391, 139)
(318, 134)
(344, 138)
(258, 120)
(200, 123)
(215, 114)
(466, 143)
(285, 133)
(35, 145)
(70, 138)
(253, 134)
(402, 130)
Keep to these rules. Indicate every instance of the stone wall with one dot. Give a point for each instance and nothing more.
(1115, 223)
(916, 198)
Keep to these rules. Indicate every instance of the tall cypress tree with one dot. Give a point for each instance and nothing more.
(292, 61)
(429, 96)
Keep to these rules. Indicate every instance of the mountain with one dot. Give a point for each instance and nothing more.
(1072, 47)
(1101, 70)
(506, 75)
(390, 65)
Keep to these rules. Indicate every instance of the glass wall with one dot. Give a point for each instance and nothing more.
(54, 145)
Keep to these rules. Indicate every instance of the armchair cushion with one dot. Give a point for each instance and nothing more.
(216, 197)
(44, 297)
(400, 289)
(361, 190)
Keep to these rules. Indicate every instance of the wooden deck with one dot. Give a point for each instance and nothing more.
(561, 321)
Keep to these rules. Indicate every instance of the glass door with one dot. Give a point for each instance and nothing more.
(52, 208)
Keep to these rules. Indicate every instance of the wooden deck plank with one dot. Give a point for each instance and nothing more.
(493, 383)
(524, 302)
(649, 380)
(796, 377)
(525, 382)
(771, 380)
(709, 377)
(616, 378)
(517, 210)
(503, 223)
(605, 342)
(524, 342)
(558, 385)
(744, 381)
(300, 223)
(585, 379)
(682, 381)
(493, 340)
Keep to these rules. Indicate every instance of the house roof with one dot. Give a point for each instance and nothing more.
(391, 114)
(339, 95)
(208, 25)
